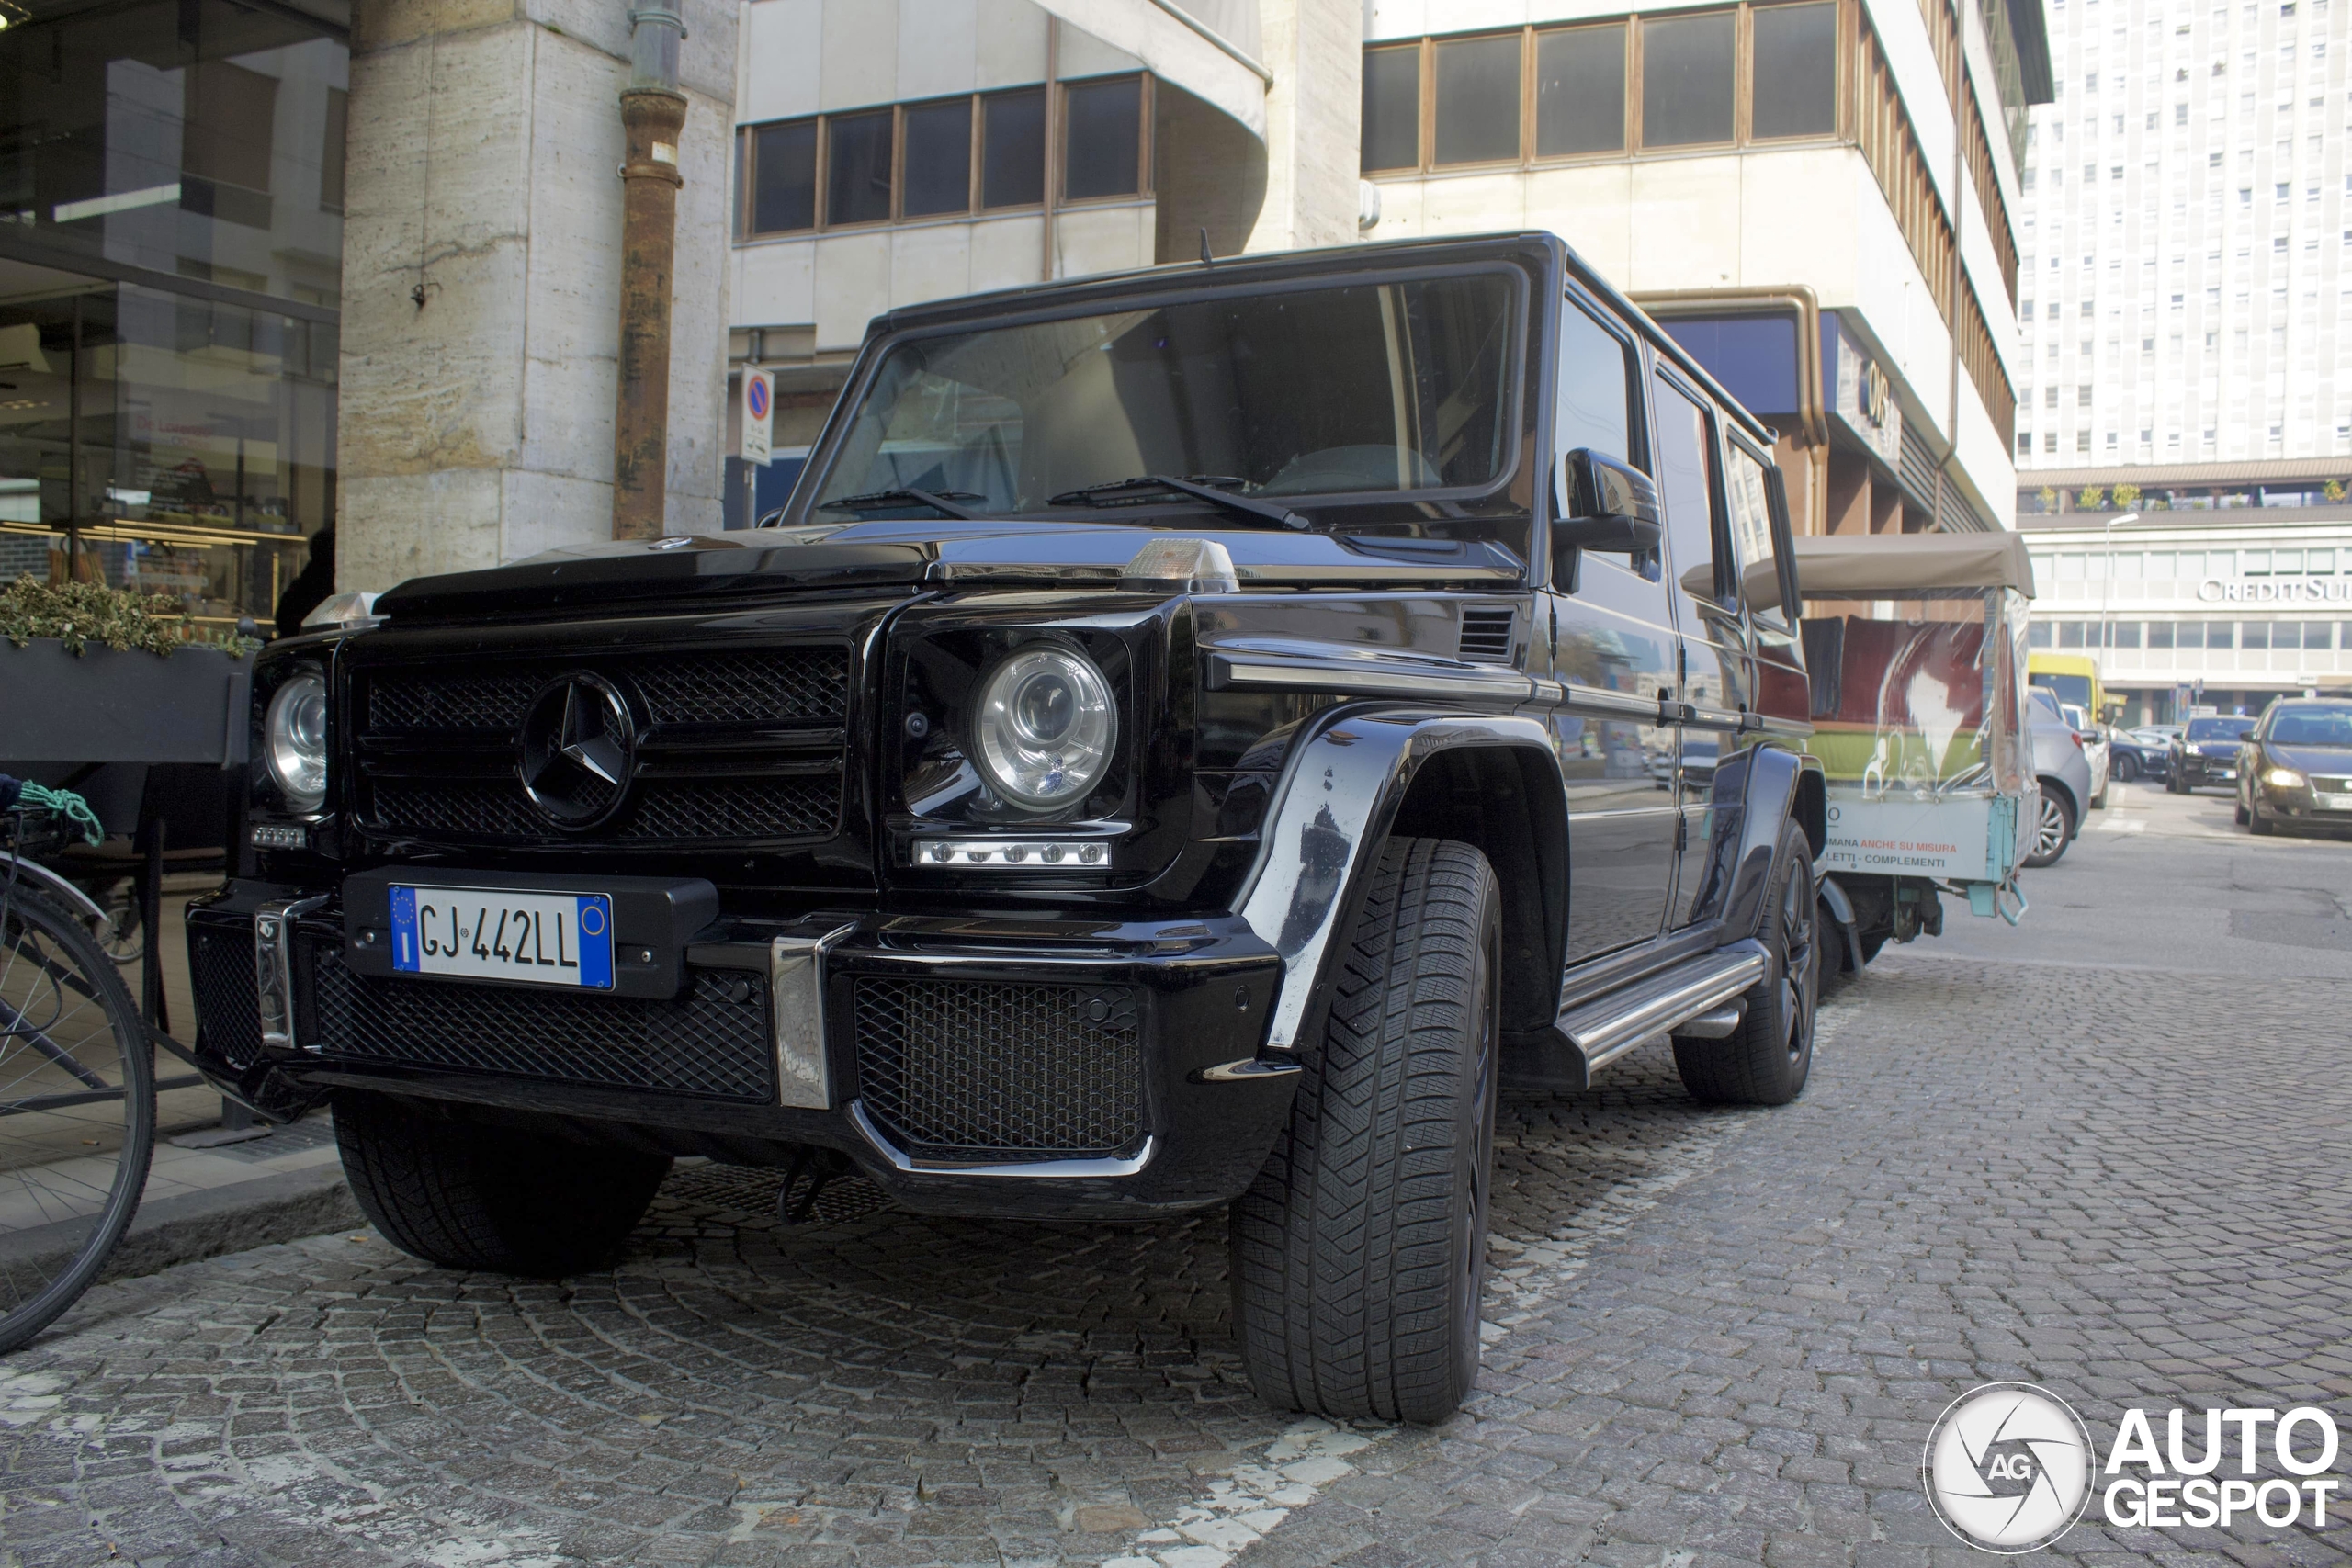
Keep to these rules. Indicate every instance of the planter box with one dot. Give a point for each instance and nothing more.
(105, 707)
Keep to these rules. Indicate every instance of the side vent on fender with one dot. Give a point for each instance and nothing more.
(1485, 633)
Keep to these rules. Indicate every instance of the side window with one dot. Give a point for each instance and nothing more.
(1685, 440)
(1751, 536)
(1596, 388)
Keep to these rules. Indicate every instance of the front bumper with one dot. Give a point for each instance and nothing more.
(968, 1065)
(2195, 770)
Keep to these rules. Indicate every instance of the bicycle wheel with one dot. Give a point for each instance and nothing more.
(78, 1111)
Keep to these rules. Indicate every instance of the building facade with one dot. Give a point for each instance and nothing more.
(1814, 195)
(2183, 294)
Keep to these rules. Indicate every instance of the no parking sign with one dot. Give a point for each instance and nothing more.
(759, 416)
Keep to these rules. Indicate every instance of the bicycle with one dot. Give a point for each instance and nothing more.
(77, 1089)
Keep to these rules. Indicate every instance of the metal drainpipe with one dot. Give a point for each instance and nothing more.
(653, 113)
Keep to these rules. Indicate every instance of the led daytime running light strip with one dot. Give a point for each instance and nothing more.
(1015, 855)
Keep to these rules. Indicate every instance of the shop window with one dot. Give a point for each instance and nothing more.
(1477, 100)
(1102, 139)
(1581, 91)
(937, 173)
(1793, 69)
(1012, 148)
(1392, 108)
(784, 176)
(857, 168)
(1687, 79)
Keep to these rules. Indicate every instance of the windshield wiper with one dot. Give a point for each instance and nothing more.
(1200, 487)
(943, 501)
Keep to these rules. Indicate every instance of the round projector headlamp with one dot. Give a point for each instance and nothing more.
(1044, 727)
(294, 742)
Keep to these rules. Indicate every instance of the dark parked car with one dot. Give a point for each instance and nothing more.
(1184, 746)
(2131, 759)
(2207, 753)
(2296, 769)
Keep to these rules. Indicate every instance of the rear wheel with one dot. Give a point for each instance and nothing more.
(500, 1199)
(2053, 829)
(1360, 1253)
(2127, 768)
(1766, 1060)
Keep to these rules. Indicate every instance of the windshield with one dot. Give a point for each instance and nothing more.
(1365, 387)
(2312, 727)
(2220, 729)
(2075, 689)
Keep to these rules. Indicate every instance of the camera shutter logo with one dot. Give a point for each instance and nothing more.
(2007, 1467)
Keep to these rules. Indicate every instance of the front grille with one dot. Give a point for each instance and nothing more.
(220, 967)
(736, 747)
(715, 1041)
(2331, 786)
(983, 1070)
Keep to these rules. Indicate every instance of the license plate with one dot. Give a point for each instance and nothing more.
(540, 939)
(2225, 774)
(2335, 801)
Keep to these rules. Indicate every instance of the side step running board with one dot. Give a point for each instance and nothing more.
(1608, 1028)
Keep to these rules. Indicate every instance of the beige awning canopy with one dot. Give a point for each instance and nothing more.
(1209, 48)
(1889, 565)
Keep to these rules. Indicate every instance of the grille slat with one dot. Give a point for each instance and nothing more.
(1486, 633)
(987, 1071)
(707, 691)
(708, 1042)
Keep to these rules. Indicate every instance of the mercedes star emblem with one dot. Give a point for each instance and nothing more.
(578, 749)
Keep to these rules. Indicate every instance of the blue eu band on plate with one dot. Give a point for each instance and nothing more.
(540, 939)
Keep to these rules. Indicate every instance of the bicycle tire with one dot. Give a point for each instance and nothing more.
(76, 1073)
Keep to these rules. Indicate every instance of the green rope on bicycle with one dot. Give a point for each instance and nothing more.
(66, 803)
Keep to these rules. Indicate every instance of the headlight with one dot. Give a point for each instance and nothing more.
(2284, 778)
(1044, 727)
(294, 740)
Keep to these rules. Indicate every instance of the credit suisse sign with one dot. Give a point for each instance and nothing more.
(2274, 590)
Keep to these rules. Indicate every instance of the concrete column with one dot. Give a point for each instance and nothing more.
(1848, 506)
(481, 281)
(1314, 114)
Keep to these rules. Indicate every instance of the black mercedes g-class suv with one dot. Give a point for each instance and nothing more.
(1192, 736)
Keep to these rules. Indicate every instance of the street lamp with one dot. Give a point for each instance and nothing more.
(2107, 600)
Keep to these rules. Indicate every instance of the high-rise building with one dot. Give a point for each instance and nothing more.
(1814, 195)
(2181, 298)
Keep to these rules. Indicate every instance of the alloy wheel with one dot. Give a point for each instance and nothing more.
(1801, 958)
(2049, 829)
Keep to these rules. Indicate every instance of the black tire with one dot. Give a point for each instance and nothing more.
(1766, 1060)
(2260, 826)
(70, 1041)
(497, 1199)
(2055, 831)
(2244, 818)
(2127, 768)
(1360, 1253)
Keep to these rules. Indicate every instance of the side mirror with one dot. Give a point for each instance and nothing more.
(1599, 504)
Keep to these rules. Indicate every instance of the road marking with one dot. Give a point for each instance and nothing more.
(2116, 825)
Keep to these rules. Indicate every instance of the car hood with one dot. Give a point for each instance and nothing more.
(2328, 760)
(2216, 748)
(704, 567)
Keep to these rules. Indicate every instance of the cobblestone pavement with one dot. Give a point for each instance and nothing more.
(1715, 1337)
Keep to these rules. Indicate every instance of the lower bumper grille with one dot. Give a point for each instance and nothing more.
(732, 811)
(221, 966)
(714, 1041)
(980, 1071)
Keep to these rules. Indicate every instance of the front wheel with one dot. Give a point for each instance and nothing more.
(2053, 829)
(1766, 1060)
(469, 1196)
(1360, 1253)
(2260, 826)
(2127, 769)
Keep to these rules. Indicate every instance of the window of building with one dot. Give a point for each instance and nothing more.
(2253, 634)
(938, 171)
(2159, 634)
(2037, 634)
(783, 177)
(1687, 80)
(1793, 69)
(1012, 148)
(332, 151)
(857, 167)
(2069, 634)
(1392, 108)
(1102, 139)
(1579, 91)
(1477, 99)
(2127, 634)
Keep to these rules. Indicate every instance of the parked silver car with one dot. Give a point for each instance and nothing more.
(2065, 775)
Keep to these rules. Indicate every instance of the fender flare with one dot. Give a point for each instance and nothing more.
(1340, 793)
(1841, 909)
(1753, 796)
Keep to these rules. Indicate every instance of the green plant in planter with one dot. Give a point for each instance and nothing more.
(79, 614)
